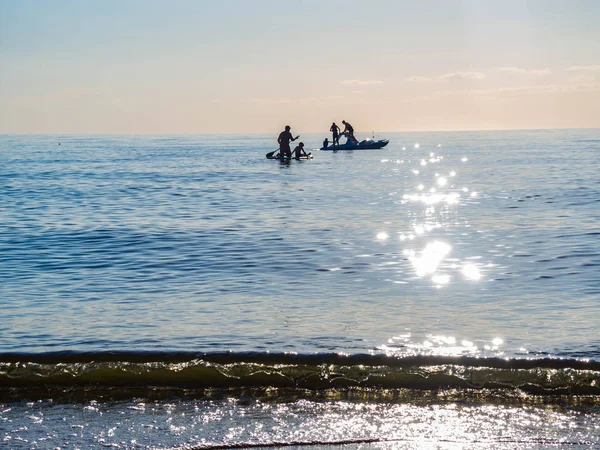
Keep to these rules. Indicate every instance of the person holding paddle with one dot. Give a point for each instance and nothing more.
(284, 139)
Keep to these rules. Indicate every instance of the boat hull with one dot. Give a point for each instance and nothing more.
(364, 145)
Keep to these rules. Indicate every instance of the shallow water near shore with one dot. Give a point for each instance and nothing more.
(186, 292)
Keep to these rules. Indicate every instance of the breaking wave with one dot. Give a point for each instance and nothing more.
(368, 376)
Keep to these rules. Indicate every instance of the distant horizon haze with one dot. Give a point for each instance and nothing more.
(361, 134)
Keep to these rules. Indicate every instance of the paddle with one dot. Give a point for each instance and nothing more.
(270, 154)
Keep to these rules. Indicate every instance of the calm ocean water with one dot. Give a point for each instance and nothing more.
(186, 292)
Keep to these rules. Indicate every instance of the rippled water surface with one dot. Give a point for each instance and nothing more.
(470, 242)
(185, 292)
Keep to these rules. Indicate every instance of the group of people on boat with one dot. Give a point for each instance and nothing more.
(335, 132)
(286, 137)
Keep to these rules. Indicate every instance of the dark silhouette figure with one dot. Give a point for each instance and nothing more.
(299, 151)
(284, 139)
(350, 130)
(326, 143)
(335, 131)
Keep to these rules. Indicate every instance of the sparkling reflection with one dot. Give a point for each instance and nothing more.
(439, 201)
(382, 236)
(440, 280)
(440, 345)
(373, 417)
(471, 272)
(433, 198)
(430, 258)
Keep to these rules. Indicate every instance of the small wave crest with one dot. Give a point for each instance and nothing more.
(21, 375)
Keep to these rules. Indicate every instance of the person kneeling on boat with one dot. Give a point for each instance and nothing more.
(349, 129)
(299, 151)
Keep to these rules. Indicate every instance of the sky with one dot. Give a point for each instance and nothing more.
(253, 66)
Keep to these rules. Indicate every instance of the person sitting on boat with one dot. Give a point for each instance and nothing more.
(350, 130)
(284, 139)
(326, 143)
(335, 131)
(299, 151)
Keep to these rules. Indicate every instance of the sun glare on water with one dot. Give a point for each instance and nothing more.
(431, 206)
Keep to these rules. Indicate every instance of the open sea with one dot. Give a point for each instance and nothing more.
(185, 292)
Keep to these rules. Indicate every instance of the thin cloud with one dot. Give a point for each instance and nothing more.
(583, 86)
(271, 101)
(419, 79)
(319, 100)
(534, 89)
(519, 70)
(595, 68)
(582, 79)
(525, 90)
(362, 82)
(463, 76)
(302, 100)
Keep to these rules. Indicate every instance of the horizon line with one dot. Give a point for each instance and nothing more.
(271, 132)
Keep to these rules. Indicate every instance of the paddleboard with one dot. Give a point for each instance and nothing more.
(302, 158)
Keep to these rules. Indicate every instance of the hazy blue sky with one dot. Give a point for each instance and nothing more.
(193, 66)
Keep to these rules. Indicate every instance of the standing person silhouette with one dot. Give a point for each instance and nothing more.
(335, 130)
(350, 130)
(284, 139)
